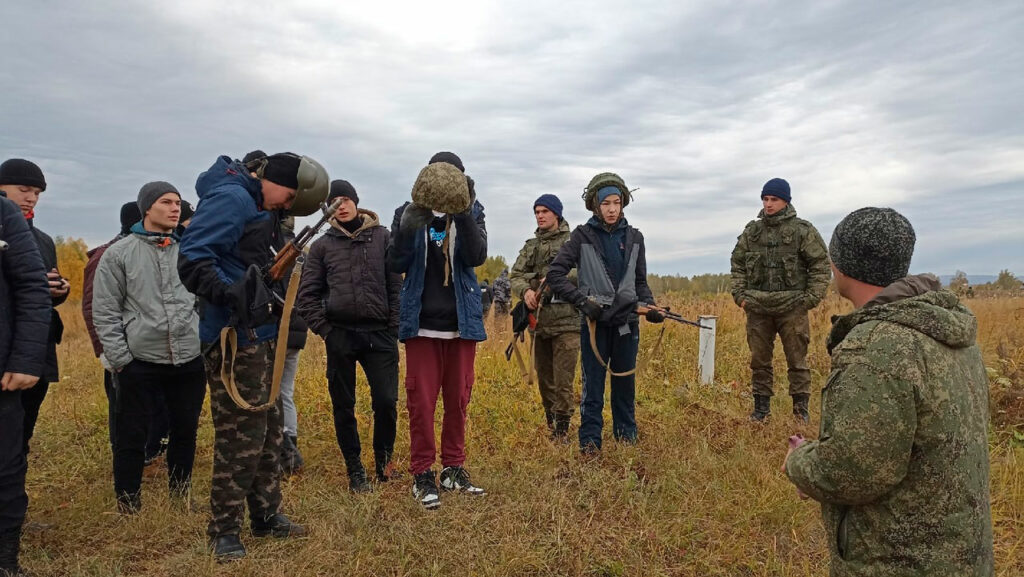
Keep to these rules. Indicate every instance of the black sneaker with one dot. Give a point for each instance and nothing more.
(457, 479)
(357, 481)
(129, 503)
(278, 525)
(424, 490)
(227, 548)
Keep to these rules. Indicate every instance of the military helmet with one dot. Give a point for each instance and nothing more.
(314, 184)
(600, 181)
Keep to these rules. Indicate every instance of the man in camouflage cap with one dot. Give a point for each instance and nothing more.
(901, 467)
(779, 272)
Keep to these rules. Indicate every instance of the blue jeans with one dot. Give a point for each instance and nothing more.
(619, 351)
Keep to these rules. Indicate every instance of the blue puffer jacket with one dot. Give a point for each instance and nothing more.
(409, 256)
(228, 232)
(25, 305)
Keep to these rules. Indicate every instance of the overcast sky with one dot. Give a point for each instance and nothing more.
(917, 105)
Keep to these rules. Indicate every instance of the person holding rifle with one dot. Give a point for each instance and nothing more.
(223, 260)
(609, 256)
(556, 346)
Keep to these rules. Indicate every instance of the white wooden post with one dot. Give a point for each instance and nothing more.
(706, 349)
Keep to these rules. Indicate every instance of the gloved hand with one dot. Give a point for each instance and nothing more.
(654, 316)
(591, 309)
(251, 300)
(472, 194)
(414, 217)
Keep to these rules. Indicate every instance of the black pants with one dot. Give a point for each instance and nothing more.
(377, 352)
(13, 500)
(184, 388)
(159, 427)
(31, 400)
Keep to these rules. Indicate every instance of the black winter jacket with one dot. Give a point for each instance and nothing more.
(348, 282)
(25, 304)
(48, 251)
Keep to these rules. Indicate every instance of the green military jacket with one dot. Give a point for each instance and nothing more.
(901, 467)
(780, 262)
(531, 266)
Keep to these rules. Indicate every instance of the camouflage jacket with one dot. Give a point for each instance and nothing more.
(901, 467)
(531, 266)
(780, 262)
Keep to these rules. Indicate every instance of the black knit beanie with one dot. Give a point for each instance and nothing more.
(187, 211)
(873, 245)
(283, 168)
(449, 157)
(254, 155)
(23, 172)
(342, 188)
(129, 216)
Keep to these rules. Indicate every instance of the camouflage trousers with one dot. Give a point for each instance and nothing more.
(247, 445)
(555, 358)
(794, 330)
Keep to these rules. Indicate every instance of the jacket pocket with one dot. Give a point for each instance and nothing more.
(755, 269)
(789, 265)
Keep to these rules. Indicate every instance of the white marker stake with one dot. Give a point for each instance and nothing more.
(706, 350)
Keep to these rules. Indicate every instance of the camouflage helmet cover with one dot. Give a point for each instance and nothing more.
(442, 187)
(600, 181)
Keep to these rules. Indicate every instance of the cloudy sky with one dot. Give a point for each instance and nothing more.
(917, 105)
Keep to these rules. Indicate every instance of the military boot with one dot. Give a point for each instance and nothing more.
(357, 481)
(227, 548)
(800, 410)
(762, 408)
(560, 432)
(277, 525)
(550, 418)
(129, 503)
(10, 545)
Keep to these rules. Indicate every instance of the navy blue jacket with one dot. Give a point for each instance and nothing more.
(409, 256)
(228, 232)
(25, 305)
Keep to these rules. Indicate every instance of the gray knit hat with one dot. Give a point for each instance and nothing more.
(151, 191)
(873, 245)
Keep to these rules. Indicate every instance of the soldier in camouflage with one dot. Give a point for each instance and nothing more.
(779, 272)
(501, 296)
(901, 467)
(556, 338)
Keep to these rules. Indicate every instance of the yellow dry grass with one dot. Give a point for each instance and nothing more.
(700, 495)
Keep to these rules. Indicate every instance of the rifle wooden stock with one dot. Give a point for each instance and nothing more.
(284, 260)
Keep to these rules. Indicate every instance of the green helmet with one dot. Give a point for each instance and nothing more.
(600, 181)
(314, 184)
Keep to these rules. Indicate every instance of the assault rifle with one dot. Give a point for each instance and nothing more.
(285, 258)
(642, 310)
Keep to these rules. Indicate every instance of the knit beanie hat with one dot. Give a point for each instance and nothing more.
(129, 216)
(254, 155)
(607, 191)
(873, 245)
(550, 202)
(776, 187)
(23, 172)
(187, 211)
(449, 157)
(342, 188)
(151, 191)
(283, 169)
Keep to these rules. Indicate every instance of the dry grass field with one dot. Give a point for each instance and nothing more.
(701, 495)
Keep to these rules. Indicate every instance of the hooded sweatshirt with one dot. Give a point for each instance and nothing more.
(901, 466)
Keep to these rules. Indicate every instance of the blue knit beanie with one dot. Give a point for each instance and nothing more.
(607, 191)
(776, 187)
(550, 202)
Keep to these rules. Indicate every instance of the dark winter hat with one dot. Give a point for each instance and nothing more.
(776, 187)
(129, 216)
(23, 172)
(449, 157)
(187, 211)
(283, 168)
(254, 155)
(342, 188)
(151, 191)
(550, 202)
(873, 245)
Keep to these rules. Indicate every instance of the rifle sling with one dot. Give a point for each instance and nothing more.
(640, 365)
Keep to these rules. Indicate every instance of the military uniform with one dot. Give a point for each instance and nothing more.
(556, 339)
(780, 270)
(901, 467)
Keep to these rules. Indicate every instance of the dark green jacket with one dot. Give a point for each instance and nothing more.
(780, 262)
(901, 467)
(532, 265)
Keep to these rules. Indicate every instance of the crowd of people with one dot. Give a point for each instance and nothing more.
(180, 301)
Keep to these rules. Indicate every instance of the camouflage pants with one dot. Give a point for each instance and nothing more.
(247, 445)
(795, 331)
(555, 358)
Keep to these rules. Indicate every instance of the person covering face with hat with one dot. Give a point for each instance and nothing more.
(779, 272)
(223, 254)
(556, 343)
(610, 259)
(901, 467)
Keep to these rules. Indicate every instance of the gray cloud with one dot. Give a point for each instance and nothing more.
(913, 105)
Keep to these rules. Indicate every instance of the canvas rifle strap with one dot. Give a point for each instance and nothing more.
(229, 343)
(528, 374)
(640, 365)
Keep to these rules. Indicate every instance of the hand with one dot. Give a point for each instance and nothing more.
(58, 285)
(18, 381)
(794, 442)
(591, 309)
(654, 315)
(414, 217)
(743, 305)
(530, 296)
